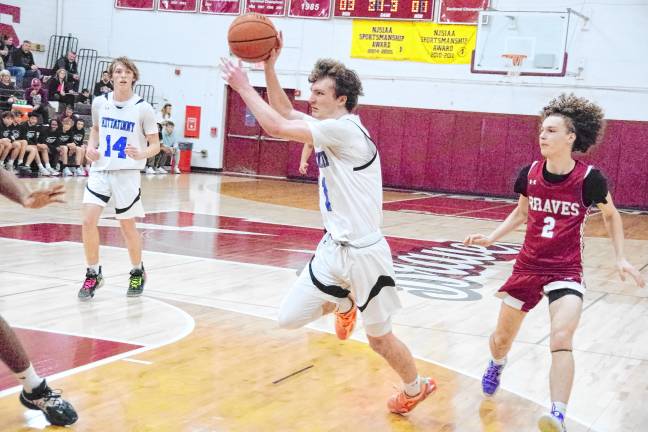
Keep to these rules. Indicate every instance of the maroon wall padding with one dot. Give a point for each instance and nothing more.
(493, 149)
(632, 178)
(476, 153)
(390, 141)
(414, 148)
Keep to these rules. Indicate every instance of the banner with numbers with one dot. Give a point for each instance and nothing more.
(178, 5)
(221, 7)
(266, 7)
(413, 41)
(317, 9)
(461, 11)
(135, 4)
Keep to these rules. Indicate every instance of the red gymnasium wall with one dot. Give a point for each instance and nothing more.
(477, 153)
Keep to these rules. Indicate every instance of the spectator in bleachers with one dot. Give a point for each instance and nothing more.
(67, 149)
(23, 64)
(104, 85)
(6, 144)
(8, 91)
(69, 63)
(48, 139)
(60, 89)
(6, 46)
(170, 143)
(68, 112)
(27, 152)
(80, 140)
(84, 96)
(36, 96)
(11, 152)
(165, 114)
(32, 130)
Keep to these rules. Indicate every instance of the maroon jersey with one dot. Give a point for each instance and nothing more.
(553, 243)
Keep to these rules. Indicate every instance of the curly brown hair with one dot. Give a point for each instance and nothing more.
(581, 116)
(347, 82)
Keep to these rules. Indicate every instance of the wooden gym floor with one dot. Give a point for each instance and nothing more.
(200, 351)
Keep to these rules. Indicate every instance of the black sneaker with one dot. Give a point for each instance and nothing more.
(58, 411)
(93, 280)
(136, 282)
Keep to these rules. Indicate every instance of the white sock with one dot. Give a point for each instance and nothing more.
(560, 407)
(29, 378)
(10, 163)
(413, 388)
(94, 267)
(344, 305)
(20, 161)
(48, 166)
(499, 362)
(139, 267)
(40, 166)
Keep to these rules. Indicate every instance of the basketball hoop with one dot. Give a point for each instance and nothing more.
(516, 63)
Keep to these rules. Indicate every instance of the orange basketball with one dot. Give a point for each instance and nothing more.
(252, 37)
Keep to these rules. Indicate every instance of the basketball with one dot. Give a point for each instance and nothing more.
(252, 37)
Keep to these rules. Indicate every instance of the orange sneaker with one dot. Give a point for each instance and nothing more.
(401, 403)
(345, 322)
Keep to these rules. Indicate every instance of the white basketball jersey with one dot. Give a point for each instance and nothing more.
(120, 124)
(350, 178)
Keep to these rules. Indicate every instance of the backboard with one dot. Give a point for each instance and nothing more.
(540, 36)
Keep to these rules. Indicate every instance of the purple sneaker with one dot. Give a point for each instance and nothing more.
(552, 422)
(491, 378)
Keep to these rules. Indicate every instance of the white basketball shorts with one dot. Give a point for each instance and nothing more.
(123, 186)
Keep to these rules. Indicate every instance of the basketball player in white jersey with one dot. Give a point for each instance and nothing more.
(122, 124)
(352, 268)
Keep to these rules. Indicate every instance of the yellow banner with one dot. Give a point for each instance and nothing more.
(413, 41)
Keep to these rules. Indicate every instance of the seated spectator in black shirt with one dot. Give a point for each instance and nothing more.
(48, 137)
(60, 89)
(8, 92)
(84, 97)
(23, 64)
(68, 112)
(79, 138)
(67, 147)
(5, 48)
(36, 96)
(104, 85)
(34, 134)
(7, 134)
(21, 132)
(6, 141)
(71, 66)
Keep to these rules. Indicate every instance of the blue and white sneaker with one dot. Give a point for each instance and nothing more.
(552, 422)
(491, 378)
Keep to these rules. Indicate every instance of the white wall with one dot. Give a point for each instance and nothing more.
(611, 51)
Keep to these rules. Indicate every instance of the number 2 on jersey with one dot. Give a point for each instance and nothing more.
(118, 146)
(547, 229)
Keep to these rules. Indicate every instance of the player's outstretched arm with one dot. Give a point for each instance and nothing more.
(15, 190)
(276, 95)
(269, 119)
(516, 218)
(614, 227)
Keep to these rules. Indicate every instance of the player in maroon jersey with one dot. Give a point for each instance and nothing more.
(556, 194)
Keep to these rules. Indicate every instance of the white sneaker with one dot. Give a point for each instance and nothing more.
(53, 172)
(150, 170)
(67, 172)
(177, 170)
(553, 422)
(79, 172)
(161, 170)
(44, 171)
